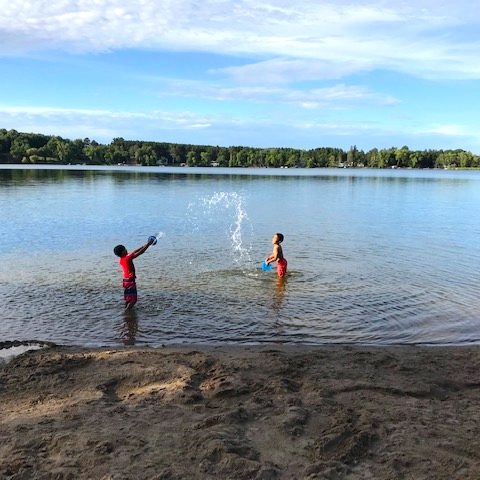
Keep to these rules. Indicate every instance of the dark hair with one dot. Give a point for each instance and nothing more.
(118, 250)
(280, 237)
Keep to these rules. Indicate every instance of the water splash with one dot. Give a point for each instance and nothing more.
(158, 235)
(236, 202)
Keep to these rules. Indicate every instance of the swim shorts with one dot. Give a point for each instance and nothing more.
(129, 290)
(282, 267)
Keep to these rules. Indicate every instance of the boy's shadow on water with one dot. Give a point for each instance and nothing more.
(129, 328)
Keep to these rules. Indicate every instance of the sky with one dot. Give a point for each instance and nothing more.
(270, 73)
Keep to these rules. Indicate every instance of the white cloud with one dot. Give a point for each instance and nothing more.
(336, 96)
(338, 38)
(99, 124)
(287, 70)
(50, 112)
(103, 125)
(451, 130)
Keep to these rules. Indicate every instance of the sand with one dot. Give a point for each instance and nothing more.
(241, 413)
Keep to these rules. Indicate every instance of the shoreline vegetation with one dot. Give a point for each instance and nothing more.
(268, 412)
(34, 148)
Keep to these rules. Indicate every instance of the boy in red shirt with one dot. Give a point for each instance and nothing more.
(128, 268)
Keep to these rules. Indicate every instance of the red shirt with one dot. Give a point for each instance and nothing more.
(128, 268)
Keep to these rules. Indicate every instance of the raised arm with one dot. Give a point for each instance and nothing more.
(141, 250)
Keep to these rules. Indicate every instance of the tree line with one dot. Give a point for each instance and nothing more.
(35, 148)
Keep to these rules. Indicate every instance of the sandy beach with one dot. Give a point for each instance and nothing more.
(241, 413)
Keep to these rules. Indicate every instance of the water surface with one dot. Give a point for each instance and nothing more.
(375, 256)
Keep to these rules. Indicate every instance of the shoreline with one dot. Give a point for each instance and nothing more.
(242, 412)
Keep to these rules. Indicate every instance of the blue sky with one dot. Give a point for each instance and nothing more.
(298, 73)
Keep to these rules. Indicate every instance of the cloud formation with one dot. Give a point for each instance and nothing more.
(295, 39)
(336, 96)
(278, 72)
(103, 125)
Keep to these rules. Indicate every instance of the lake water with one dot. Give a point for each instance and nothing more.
(375, 257)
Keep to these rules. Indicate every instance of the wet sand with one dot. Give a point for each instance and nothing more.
(242, 413)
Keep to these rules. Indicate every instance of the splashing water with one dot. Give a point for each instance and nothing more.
(158, 235)
(232, 201)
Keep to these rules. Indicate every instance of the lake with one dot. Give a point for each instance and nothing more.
(375, 257)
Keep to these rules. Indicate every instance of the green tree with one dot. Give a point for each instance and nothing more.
(145, 155)
(293, 158)
(18, 150)
(352, 156)
(402, 156)
(63, 150)
(241, 160)
(192, 158)
(95, 153)
(5, 144)
(116, 154)
(178, 153)
(206, 158)
(222, 158)
(387, 157)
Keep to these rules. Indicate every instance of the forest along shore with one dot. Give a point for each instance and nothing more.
(39, 149)
(242, 412)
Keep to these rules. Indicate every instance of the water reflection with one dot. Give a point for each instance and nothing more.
(129, 328)
(122, 173)
(279, 294)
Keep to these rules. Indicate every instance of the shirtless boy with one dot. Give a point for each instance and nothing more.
(277, 255)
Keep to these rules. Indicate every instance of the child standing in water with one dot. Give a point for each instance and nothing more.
(128, 268)
(277, 255)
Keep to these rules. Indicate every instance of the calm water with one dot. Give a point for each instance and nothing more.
(375, 257)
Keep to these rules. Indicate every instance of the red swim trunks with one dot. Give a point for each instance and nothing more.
(282, 267)
(129, 290)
